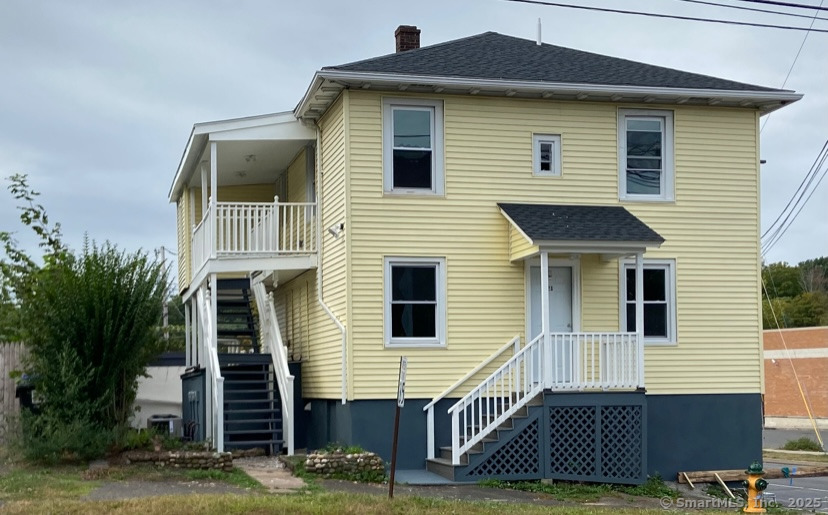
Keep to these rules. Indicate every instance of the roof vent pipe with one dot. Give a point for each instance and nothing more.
(539, 32)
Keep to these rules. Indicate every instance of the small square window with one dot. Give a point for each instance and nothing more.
(415, 301)
(546, 155)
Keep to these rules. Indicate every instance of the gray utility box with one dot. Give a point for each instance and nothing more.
(193, 408)
(170, 424)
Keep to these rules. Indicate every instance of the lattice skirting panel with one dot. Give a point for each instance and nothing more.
(598, 437)
(517, 455)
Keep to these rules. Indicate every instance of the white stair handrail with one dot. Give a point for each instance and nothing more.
(514, 343)
(272, 337)
(213, 369)
(497, 398)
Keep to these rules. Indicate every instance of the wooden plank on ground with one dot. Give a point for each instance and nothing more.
(709, 476)
(724, 485)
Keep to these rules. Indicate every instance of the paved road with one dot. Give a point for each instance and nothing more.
(805, 493)
(776, 438)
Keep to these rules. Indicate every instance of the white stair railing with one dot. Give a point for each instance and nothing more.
(496, 399)
(514, 344)
(272, 337)
(213, 367)
(578, 361)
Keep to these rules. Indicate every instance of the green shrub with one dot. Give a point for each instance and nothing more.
(802, 444)
(90, 324)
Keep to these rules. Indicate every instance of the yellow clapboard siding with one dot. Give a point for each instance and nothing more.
(710, 230)
(296, 178)
(322, 370)
(183, 224)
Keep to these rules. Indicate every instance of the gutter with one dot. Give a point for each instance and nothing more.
(540, 87)
(319, 268)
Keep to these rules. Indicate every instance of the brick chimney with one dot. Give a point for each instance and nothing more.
(408, 37)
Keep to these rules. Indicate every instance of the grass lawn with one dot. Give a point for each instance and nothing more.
(316, 503)
(784, 456)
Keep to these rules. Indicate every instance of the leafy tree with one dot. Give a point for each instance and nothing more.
(781, 280)
(798, 294)
(91, 324)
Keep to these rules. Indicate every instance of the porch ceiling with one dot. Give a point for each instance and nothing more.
(249, 150)
(609, 230)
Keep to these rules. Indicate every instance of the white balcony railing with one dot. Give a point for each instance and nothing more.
(556, 361)
(239, 229)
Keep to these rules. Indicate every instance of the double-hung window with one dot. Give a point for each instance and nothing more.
(413, 146)
(659, 300)
(645, 154)
(415, 305)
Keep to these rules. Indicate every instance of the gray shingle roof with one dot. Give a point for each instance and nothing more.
(495, 56)
(548, 222)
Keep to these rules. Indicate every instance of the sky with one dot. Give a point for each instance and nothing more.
(97, 98)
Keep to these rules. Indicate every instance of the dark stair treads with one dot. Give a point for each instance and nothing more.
(252, 404)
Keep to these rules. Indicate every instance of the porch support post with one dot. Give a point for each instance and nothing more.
(195, 337)
(188, 354)
(213, 199)
(205, 185)
(547, 339)
(639, 314)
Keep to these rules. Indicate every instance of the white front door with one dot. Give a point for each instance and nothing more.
(560, 316)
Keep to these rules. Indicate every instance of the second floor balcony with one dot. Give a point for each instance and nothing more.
(248, 236)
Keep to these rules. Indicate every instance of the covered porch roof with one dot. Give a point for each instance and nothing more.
(247, 150)
(611, 231)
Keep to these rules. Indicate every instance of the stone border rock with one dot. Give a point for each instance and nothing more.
(337, 463)
(203, 460)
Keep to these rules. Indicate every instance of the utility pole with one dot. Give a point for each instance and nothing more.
(165, 309)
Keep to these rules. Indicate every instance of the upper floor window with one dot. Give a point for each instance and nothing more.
(645, 154)
(412, 144)
(546, 155)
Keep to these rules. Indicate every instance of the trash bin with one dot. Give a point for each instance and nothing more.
(25, 392)
(166, 423)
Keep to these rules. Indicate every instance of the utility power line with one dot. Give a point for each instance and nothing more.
(797, 202)
(755, 9)
(671, 16)
(796, 58)
(785, 4)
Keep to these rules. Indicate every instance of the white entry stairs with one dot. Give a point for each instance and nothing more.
(443, 466)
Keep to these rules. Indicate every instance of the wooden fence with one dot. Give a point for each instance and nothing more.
(11, 356)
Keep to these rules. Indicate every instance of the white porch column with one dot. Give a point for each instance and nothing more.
(195, 337)
(188, 354)
(213, 199)
(545, 323)
(639, 314)
(205, 185)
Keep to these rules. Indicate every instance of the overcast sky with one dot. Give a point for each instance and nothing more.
(97, 98)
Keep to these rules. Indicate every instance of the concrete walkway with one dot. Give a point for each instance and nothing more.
(271, 473)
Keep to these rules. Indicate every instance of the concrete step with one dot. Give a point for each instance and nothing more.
(441, 466)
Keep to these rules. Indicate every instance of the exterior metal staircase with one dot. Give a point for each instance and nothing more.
(252, 404)
(237, 326)
(252, 414)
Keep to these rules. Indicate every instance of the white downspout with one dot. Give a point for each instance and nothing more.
(319, 267)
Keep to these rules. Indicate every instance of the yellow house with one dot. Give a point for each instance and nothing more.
(563, 245)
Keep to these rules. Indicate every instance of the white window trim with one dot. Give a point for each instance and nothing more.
(670, 281)
(667, 150)
(537, 139)
(437, 164)
(440, 322)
